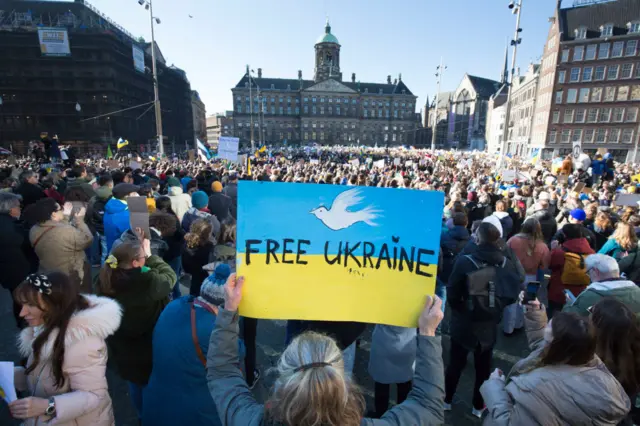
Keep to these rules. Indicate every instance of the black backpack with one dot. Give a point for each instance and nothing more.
(486, 298)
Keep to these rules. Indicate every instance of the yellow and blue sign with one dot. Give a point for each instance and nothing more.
(337, 253)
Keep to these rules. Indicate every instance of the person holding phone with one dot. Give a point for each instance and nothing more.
(557, 382)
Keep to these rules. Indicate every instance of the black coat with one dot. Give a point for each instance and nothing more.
(477, 212)
(192, 262)
(547, 223)
(463, 330)
(30, 193)
(220, 206)
(14, 262)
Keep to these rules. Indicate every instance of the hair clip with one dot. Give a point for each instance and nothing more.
(41, 282)
(112, 261)
(312, 365)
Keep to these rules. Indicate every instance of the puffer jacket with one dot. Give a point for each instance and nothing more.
(83, 399)
(95, 209)
(180, 202)
(554, 395)
(548, 224)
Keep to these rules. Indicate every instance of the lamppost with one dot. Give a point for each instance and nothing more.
(440, 71)
(148, 5)
(516, 7)
(1, 121)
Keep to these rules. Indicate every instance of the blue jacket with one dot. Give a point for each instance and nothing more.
(178, 370)
(597, 167)
(116, 220)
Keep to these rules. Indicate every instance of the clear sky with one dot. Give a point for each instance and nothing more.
(378, 38)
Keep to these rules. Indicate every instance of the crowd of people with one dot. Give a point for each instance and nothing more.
(549, 248)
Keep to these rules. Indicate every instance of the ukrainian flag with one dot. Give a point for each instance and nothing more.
(122, 143)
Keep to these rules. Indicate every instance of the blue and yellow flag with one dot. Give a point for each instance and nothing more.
(122, 143)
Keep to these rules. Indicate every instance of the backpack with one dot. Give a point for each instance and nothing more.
(574, 271)
(486, 298)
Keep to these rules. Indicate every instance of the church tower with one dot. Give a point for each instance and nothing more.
(327, 57)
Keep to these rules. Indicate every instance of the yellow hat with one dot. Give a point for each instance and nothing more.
(216, 186)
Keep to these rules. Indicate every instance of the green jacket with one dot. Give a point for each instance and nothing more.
(237, 406)
(143, 294)
(625, 291)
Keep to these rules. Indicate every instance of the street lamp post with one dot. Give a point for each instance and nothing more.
(1, 121)
(148, 5)
(516, 6)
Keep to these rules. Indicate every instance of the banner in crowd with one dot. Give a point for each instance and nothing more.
(138, 58)
(54, 42)
(325, 252)
(228, 148)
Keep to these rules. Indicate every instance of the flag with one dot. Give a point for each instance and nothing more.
(109, 153)
(248, 166)
(535, 156)
(263, 148)
(203, 152)
(122, 143)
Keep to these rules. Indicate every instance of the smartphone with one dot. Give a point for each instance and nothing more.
(532, 292)
(570, 296)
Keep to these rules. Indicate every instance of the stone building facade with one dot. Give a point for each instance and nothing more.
(325, 110)
(199, 117)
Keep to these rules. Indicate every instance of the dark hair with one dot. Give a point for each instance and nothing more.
(153, 182)
(118, 177)
(76, 193)
(78, 171)
(227, 231)
(105, 179)
(572, 231)
(488, 234)
(145, 190)
(532, 229)
(41, 211)
(24, 176)
(58, 307)
(163, 222)
(163, 204)
(618, 341)
(460, 219)
(109, 277)
(574, 341)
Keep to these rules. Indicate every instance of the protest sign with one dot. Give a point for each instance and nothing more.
(369, 160)
(228, 148)
(7, 386)
(379, 164)
(627, 200)
(139, 214)
(314, 161)
(192, 155)
(508, 175)
(134, 165)
(578, 187)
(408, 163)
(563, 179)
(113, 164)
(396, 161)
(323, 252)
(355, 162)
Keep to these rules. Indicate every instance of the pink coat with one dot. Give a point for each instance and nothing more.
(84, 399)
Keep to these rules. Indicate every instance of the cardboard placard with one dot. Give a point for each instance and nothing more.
(586, 190)
(579, 187)
(113, 164)
(139, 215)
(562, 179)
(627, 200)
(191, 154)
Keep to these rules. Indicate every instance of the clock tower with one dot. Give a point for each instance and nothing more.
(327, 57)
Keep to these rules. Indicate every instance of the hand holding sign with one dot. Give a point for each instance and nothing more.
(233, 292)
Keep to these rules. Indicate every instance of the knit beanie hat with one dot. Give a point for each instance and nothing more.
(495, 222)
(199, 200)
(172, 181)
(212, 289)
(216, 186)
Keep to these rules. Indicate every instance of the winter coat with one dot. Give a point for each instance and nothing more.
(30, 193)
(116, 220)
(597, 167)
(180, 202)
(194, 214)
(463, 329)
(96, 209)
(630, 267)
(547, 223)
(61, 246)
(506, 222)
(231, 191)
(531, 260)
(83, 399)
(220, 205)
(158, 246)
(82, 184)
(452, 243)
(393, 354)
(554, 395)
(602, 235)
(143, 293)
(14, 264)
(193, 259)
(586, 233)
(477, 211)
(175, 242)
(52, 193)
(614, 249)
(176, 366)
(237, 406)
(624, 290)
(556, 264)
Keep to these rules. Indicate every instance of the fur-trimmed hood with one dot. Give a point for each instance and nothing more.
(101, 319)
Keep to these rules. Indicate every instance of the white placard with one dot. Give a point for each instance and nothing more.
(135, 165)
(54, 42)
(408, 163)
(228, 148)
(577, 150)
(314, 161)
(369, 160)
(508, 175)
(355, 162)
(138, 58)
(379, 164)
(397, 161)
(6, 381)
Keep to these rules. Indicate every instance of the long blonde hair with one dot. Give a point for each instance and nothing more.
(318, 395)
(625, 236)
(199, 233)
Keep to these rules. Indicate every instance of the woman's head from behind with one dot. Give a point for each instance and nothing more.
(49, 301)
(199, 233)
(126, 256)
(618, 341)
(312, 388)
(625, 236)
(531, 228)
(42, 211)
(570, 340)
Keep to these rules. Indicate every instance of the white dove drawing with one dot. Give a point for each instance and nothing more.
(340, 218)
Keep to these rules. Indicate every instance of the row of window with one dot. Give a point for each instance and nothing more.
(602, 51)
(314, 100)
(599, 73)
(595, 115)
(606, 30)
(345, 126)
(599, 94)
(599, 136)
(331, 111)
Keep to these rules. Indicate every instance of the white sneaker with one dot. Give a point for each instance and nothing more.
(447, 407)
(478, 413)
